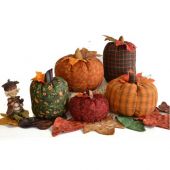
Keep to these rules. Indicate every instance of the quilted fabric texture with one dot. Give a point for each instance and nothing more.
(82, 75)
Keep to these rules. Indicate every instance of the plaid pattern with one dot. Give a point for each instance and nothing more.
(117, 61)
(131, 99)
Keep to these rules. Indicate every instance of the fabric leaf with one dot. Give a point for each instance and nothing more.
(108, 38)
(39, 77)
(131, 123)
(156, 119)
(105, 127)
(8, 121)
(62, 126)
(164, 107)
(129, 46)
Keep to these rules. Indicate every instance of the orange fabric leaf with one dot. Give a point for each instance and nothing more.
(125, 77)
(140, 79)
(73, 61)
(144, 80)
(39, 77)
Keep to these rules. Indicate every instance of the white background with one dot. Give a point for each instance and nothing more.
(34, 34)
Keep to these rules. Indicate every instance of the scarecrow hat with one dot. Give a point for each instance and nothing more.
(10, 85)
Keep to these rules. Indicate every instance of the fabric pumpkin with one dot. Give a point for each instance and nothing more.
(49, 96)
(88, 107)
(119, 57)
(132, 96)
(82, 70)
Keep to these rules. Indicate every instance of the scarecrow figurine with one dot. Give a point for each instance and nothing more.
(15, 104)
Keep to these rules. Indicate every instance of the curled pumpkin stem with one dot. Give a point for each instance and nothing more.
(121, 39)
(89, 93)
(132, 77)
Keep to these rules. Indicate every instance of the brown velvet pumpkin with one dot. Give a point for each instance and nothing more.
(132, 95)
(81, 70)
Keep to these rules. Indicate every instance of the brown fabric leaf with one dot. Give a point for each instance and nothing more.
(108, 38)
(164, 107)
(105, 127)
(35, 122)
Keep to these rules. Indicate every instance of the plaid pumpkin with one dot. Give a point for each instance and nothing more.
(118, 59)
(132, 99)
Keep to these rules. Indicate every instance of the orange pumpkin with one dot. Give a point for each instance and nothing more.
(81, 70)
(132, 95)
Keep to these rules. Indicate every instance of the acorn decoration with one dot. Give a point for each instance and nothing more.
(49, 95)
(88, 107)
(132, 95)
(81, 70)
(119, 57)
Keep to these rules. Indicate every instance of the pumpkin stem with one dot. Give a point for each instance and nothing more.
(78, 54)
(132, 77)
(89, 93)
(49, 76)
(121, 39)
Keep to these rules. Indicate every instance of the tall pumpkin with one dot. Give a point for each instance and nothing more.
(119, 57)
(49, 95)
(132, 95)
(81, 70)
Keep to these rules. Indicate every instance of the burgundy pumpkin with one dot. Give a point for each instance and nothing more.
(88, 107)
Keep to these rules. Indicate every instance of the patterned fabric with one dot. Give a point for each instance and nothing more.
(118, 60)
(49, 99)
(132, 99)
(80, 75)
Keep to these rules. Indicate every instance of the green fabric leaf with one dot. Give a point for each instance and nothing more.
(131, 123)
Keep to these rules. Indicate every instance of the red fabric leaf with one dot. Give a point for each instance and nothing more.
(118, 43)
(129, 46)
(156, 119)
(61, 126)
(139, 75)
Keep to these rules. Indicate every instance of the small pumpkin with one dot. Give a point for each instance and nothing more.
(89, 107)
(119, 57)
(81, 70)
(49, 95)
(132, 95)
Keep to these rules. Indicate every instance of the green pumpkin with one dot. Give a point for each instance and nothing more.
(49, 99)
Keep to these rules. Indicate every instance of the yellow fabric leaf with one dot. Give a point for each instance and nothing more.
(7, 121)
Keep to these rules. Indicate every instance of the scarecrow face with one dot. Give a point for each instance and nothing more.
(12, 93)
